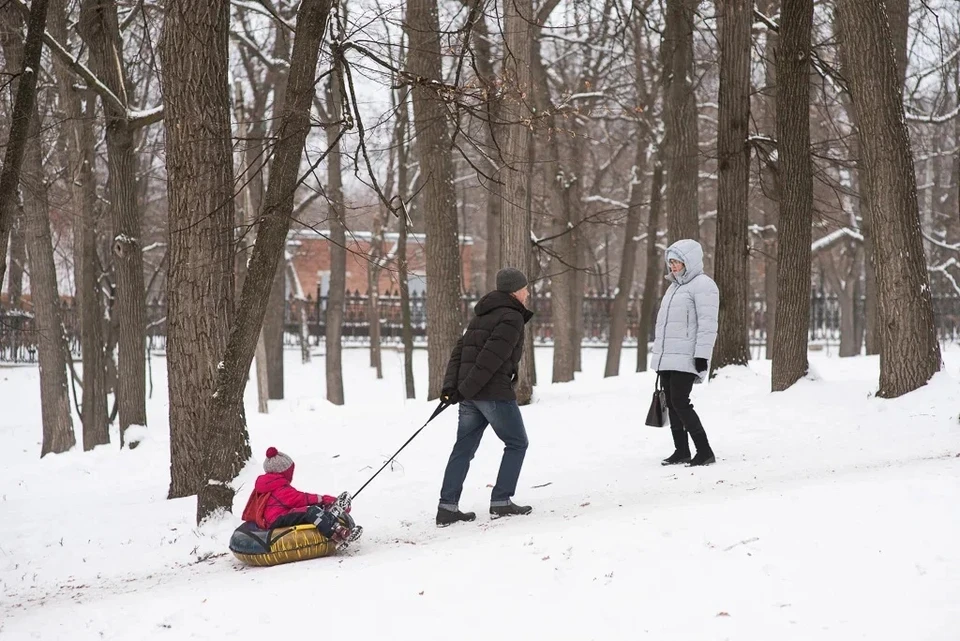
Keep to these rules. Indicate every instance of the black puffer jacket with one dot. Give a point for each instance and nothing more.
(487, 356)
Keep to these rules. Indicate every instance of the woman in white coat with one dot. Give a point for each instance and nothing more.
(683, 345)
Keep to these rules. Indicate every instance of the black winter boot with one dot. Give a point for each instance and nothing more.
(677, 458)
(449, 517)
(496, 511)
(682, 452)
(704, 454)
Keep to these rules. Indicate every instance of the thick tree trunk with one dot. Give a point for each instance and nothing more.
(796, 194)
(439, 199)
(733, 277)
(628, 263)
(222, 463)
(909, 351)
(81, 151)
(654, 267)
(682, 130)
(336, 297)
(515, 217)
(23, 110)
(200, 286)
(101, 32)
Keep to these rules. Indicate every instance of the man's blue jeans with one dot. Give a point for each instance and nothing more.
(504, 417)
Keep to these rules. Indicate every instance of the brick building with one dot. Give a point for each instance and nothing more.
(309, 255)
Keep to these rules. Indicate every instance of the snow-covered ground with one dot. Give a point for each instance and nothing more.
(830, 515)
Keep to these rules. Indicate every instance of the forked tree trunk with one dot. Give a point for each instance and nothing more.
(796, 194)
(680, 109)
(336, 297)
(221, 463)
(909, 350)
(200, 189)
(81, 152)
(733, 277)
(439, 200)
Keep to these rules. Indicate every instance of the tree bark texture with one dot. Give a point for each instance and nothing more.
(439, 199)
(81, 150)
(909, 351)
(101, 33)
(23, 110)
(796, 194)
(516, 112)
(221, 463)
(336, 296)
(733, 277)
(654, 269)
(682, 129)
(200, 279)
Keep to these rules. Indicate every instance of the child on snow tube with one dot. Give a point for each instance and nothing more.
(275, 503)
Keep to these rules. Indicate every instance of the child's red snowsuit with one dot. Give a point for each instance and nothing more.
(273, 497)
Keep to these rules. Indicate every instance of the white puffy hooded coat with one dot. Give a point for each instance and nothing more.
(687, 320)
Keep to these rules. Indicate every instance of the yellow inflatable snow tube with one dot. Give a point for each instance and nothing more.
(280, 545)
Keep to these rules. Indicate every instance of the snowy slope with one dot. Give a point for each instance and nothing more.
(830, 515)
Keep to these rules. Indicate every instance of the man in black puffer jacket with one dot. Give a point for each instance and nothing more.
(480, 376)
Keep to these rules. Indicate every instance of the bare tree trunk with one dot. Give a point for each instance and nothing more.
(909, 351)
(254, 131)
(274, 323)
(733, 277)
(769, 200)
(872, 309)
(101, 32)
(515, 218)
(406, 328)
(439, 197)
(654, 267)
(18, 259)
(682, 130)
(58, 435)
(221, 463)
(200, 285)
(796, 194)
(484, 61)
(338, 253)
(81, 150)
(23, 110)
(628, 262)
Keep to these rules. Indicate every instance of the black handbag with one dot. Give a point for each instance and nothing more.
(657, 415)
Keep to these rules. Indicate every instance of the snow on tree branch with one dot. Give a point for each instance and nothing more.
(933, 120)
(833, 238)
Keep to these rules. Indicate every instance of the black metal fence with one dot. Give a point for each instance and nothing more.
(18, 332)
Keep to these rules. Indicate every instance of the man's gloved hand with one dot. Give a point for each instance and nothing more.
(700, 364)
(450, 396)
